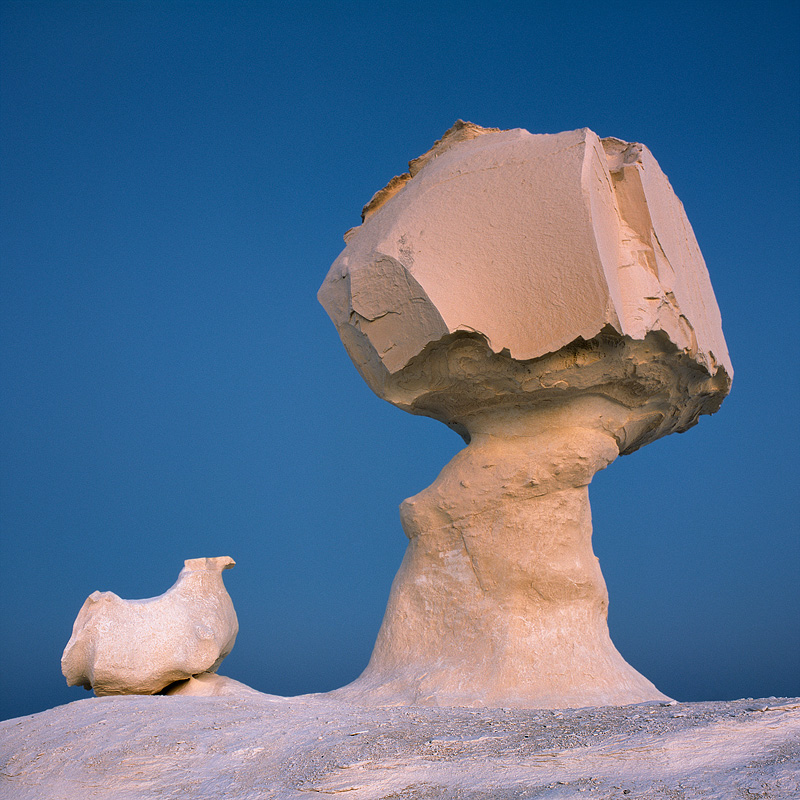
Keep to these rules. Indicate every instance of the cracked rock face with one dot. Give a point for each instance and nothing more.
(142, 646)
(532, 243)
(545, 296)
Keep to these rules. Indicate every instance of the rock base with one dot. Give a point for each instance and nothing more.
(248, 746)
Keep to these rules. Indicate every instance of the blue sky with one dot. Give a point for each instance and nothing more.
(176, 180)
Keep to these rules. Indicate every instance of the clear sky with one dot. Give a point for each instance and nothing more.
(176, 180)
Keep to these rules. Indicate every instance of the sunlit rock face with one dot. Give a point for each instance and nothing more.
(142, 646)
(545, 296)
(531, 243)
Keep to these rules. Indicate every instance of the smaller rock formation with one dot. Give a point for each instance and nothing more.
(211, 685)
(142, 646)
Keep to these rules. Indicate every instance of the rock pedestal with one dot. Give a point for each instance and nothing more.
(500, 600)
(544, 296)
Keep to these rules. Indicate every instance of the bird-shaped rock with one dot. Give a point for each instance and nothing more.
(142, 646)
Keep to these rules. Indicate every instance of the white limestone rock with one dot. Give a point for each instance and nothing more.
(209, 684)
(544, 295)
(531, 242)
(249, 747)
(142, 646)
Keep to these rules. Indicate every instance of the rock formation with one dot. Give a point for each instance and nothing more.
(543, 295)
(142, 646)
(208, 684)
(256, 746)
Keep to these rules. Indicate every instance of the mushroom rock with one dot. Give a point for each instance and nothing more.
(142, 646)
(544, 295)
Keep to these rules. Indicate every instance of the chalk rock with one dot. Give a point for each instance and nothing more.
(260, 746)
(209, 684)
(530, 243)
(141, 646)
(544, 295)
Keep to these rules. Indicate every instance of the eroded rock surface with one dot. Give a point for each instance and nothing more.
(259, 746)
(544, 295)
(531, 241)
(142, 646)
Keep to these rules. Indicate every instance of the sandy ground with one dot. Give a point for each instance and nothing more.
(253, 746)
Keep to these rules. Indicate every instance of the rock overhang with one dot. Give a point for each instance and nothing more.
(531, 243)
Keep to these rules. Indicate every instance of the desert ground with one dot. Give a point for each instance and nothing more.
(252, 746)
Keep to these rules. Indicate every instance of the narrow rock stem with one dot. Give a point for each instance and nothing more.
(500, 599)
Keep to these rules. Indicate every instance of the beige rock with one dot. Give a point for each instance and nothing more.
(208, 684)
(141, 646)
(545, 297)
(530, 240)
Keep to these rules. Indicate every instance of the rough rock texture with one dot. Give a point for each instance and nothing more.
(532, 241)
(255, 747)
(208, 684)
(141, 646)
(545, 297)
